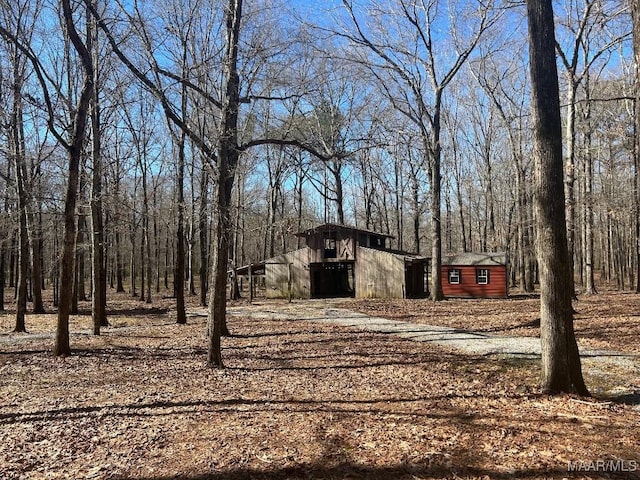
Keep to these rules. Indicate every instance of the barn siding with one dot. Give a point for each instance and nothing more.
(379, 274)
(345, 251)
(496, 288)
(277, 274)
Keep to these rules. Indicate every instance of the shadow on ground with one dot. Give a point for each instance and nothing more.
(323, 470)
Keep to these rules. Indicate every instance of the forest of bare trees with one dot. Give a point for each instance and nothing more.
(148, 146)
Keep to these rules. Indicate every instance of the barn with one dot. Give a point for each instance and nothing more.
(344, 261)
(477, 275)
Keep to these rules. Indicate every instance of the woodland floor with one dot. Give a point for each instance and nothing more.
(300, 399)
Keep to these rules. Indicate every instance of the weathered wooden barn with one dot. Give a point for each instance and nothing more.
(475, 275)
(339, 260)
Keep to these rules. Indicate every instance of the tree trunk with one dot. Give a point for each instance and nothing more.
(156, 242)
(17, 150)
(98, 270)
(336, 170)
(13, 259)
(80, 293)
(299, 198)
(36, 260)
(3, 256)
(416, 211)
(227, 161)
(178, 280)
(570, 177)
(635, 16)
(589, 276)
(119, 263)
(145, 244)
(561, 369)
(75, 150)
(132, 256)
(436, 207)
(143, 263)
(204, 240)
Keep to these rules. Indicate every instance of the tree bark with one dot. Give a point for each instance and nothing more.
(178, 280)
(35, 224)
(204, 239)
(570, 176)
(98, 270)
(561, 369)
(16, 148)
(587, 243)
(635, 17)
(436, 207)
(228, 155)
(75, 149)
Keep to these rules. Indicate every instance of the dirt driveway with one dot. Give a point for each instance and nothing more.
(620, 371)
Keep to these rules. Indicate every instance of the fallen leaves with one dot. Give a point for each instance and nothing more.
(298, 400)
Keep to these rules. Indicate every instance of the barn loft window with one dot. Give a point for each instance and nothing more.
(376, 242)
(454, 276)
(330, 250)
(482, 276)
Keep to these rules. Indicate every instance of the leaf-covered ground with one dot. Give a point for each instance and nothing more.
(300, 400)
(604, 321)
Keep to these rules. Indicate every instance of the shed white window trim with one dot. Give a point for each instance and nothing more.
(482, 276)
(454, 276)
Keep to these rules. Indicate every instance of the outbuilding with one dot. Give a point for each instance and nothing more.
(344, 261)
(475, 275)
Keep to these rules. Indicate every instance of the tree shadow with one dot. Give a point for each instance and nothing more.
(632, 399)
(143, 310)
(274, 334)
(327, 468)
(523, 296)
(535, 323)
(349, 406)
(139, 353)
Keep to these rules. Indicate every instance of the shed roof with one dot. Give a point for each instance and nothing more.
(480, 259)
(406, 256)
(325, 227)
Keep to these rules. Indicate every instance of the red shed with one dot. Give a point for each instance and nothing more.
(477, 275)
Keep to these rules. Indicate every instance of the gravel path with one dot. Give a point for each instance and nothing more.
(617, 373)
(465, 341)
(324, 311)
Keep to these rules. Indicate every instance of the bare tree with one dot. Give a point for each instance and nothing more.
(99, 272)
(584, 21)
(17, 18)
(502, 82)
(635, 16)
(73, 143)
(409, 62)
(561, 369)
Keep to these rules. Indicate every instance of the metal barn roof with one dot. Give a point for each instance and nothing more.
(486, 259)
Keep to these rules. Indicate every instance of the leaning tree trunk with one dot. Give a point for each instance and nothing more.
(561, 369)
